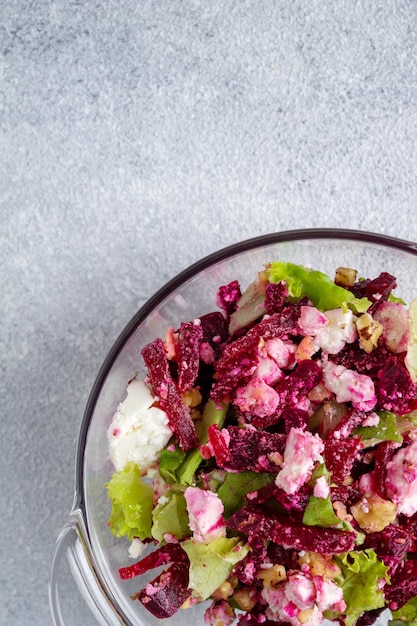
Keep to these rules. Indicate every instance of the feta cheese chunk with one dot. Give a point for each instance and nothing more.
(138, 431)
(349, 386)
(205, 514)
(302, 599)
(401, 481)
(301, 453)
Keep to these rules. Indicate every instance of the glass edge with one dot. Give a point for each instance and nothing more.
(186, 274)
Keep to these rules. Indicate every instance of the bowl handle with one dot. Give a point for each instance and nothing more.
(75, 594)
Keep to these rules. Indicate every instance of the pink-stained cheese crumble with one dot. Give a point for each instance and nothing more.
(349, 386)
(302, 451)
(401, 483)
(205, 513)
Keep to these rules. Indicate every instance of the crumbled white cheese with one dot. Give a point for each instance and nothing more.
(205, 514)
(340, 330)
(349, 386)
(136, 548)
(138, 431)
(302, 451)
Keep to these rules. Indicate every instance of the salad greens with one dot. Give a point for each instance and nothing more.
(285, 489)
(132, 503)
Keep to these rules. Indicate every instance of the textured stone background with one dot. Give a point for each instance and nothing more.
(137, 137)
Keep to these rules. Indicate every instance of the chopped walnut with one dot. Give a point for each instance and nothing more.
(224, 591)
(272, 576)
(369, 332)
(373, 513)
(304, 616)
(319, 564)
(345, 277)
(245, 598)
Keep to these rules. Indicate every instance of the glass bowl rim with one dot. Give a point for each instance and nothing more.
(186, 274)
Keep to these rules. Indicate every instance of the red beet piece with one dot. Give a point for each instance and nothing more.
(241, 449)
(383, 454)
(394, 387)
(376, 290)
(166, 593)
(246, 569)
(403, 585)
(255, 521)
(171, 553)
(339, 456)
(228, 297)
(275, 295)
(240, 357)
(344, 493)
(354, 357)
(391, 545)
(169, 397)
(215, 331)
(188, 354)
(351, 419)
(295, 418)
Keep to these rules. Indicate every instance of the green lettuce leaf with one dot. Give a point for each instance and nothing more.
(407, 614)
(361, 574)
(320, 512)
(236, 486)
(171, 517)
(318, 287)
(132, 502)
(169, 462)
(386, 430)
(212, 563)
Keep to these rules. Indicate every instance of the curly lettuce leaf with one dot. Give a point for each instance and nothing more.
(236, 486)
(212, 563)
(360, 580)
(171, 518)
(317, 286)
(132, 502)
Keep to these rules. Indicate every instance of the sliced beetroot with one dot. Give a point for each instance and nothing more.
(241, 449)
(287, 533)
(190, 335)
(246, 569)
(346, 494)
(170, 399)
(351, 420)
(171, 553)
(215, 331)
(394, 388)
(295, 418)
(166, 593)
(376, 290)
(391, 545)
(275, 295)
(339, 456)
(228, 296)
(383, 454)
(354, 357)
(239, 370)
(403, 585)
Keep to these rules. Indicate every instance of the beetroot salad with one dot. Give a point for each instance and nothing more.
(267, 465)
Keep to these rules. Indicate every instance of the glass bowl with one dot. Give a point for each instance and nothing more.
(84, 584)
